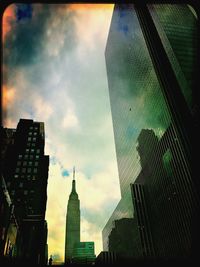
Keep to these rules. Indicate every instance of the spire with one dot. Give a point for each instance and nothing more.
(73, 182)
(74, 173)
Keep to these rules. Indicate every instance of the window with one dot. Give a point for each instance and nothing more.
(30, 163)
(167, 162)
(23, 170)
(25, 192)
(32, 150)
(30, 133)
(21, 185)
(35, 170)
(12, 192)
(28, 177)
(26, 156)
(20, 156)
(17, 170)
(28, 144)
(37, 156)
(29, 170)
(29, 139)
(31, 128)
(34, 139)
(33, 178)
(31, 156)
(38, 151)
(16, 176)
(33, 144)
(25, 163)
(35, 133)
(36, 163)
(19, 163)
(8, 184)
(27, 150)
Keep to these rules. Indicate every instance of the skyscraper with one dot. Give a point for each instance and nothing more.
(72, 234)
(25, 171)
(145, 110)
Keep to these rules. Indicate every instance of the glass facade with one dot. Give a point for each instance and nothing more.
(179, 38)
(83, 253)
(148, 145)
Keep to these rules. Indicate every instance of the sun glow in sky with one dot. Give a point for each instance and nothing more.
(54, 71)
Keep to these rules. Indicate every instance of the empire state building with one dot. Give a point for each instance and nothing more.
(72, 222)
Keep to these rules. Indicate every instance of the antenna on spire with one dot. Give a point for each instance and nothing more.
(74, 173)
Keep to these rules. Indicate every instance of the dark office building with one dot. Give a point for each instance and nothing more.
(106, 258)
(9, 227)
(152, 96)
(8, 222)
(72, 234)
(124, 239)
(25, 171)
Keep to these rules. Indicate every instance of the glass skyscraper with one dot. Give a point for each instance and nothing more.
(149, 134)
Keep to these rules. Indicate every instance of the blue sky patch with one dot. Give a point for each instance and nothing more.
(24, 11)
(65, 173)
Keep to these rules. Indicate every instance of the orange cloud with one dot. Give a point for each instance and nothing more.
(89, 6)
(8, 95)
(8, 16)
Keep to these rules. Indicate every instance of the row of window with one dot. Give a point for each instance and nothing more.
(26, 170)
(26, 192)
(31, 139)
(32, 133)
(27, 163)
(26, 156)
(35, 128)
(30, 145)
(27, 177)
(33, 150)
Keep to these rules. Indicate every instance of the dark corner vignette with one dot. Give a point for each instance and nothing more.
(148, 57)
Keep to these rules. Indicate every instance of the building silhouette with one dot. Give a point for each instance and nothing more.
(72, 234)
(154, 109)
(25, 171)
(8, 223)
(106, 258)
(123, 238)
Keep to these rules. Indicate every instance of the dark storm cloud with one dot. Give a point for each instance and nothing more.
(24, 11)
(24, 44)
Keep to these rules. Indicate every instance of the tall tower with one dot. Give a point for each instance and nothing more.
(153, 143)
(72, 222)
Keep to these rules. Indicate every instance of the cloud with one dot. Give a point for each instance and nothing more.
(24, 45)
(90, 232)
(42, 109)
(8, 96)
(56, 210)
(54, 83)
(24, 11)
(70, 120)
(94, 201)
(8, 18)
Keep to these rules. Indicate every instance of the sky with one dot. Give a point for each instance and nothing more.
(54, 72)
